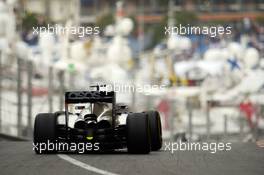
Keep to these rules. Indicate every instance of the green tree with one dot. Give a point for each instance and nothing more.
(104, 20)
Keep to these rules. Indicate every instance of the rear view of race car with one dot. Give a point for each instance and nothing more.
(94, 118)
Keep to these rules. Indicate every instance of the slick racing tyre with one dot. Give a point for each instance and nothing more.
(155, 130)
(44, 132)
(138, 134)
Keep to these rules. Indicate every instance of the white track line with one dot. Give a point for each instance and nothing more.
(83, 165)
(260, 143)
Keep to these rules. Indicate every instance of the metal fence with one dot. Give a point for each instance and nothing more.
(27, 88)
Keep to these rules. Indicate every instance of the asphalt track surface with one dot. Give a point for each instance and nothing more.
(243, 159)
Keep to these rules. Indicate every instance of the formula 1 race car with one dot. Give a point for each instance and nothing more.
(94, 117)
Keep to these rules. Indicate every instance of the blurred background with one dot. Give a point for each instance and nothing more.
(214, 85)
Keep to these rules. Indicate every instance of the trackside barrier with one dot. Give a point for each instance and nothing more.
(27, 88)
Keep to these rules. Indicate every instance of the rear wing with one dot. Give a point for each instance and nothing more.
(89, 97)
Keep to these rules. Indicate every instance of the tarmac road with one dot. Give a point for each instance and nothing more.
(243, 159)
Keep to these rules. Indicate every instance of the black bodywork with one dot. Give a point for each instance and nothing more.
(111, 137)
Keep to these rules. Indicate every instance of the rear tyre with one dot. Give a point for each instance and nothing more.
(155, 130)
(138, 135)
(45, 132)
